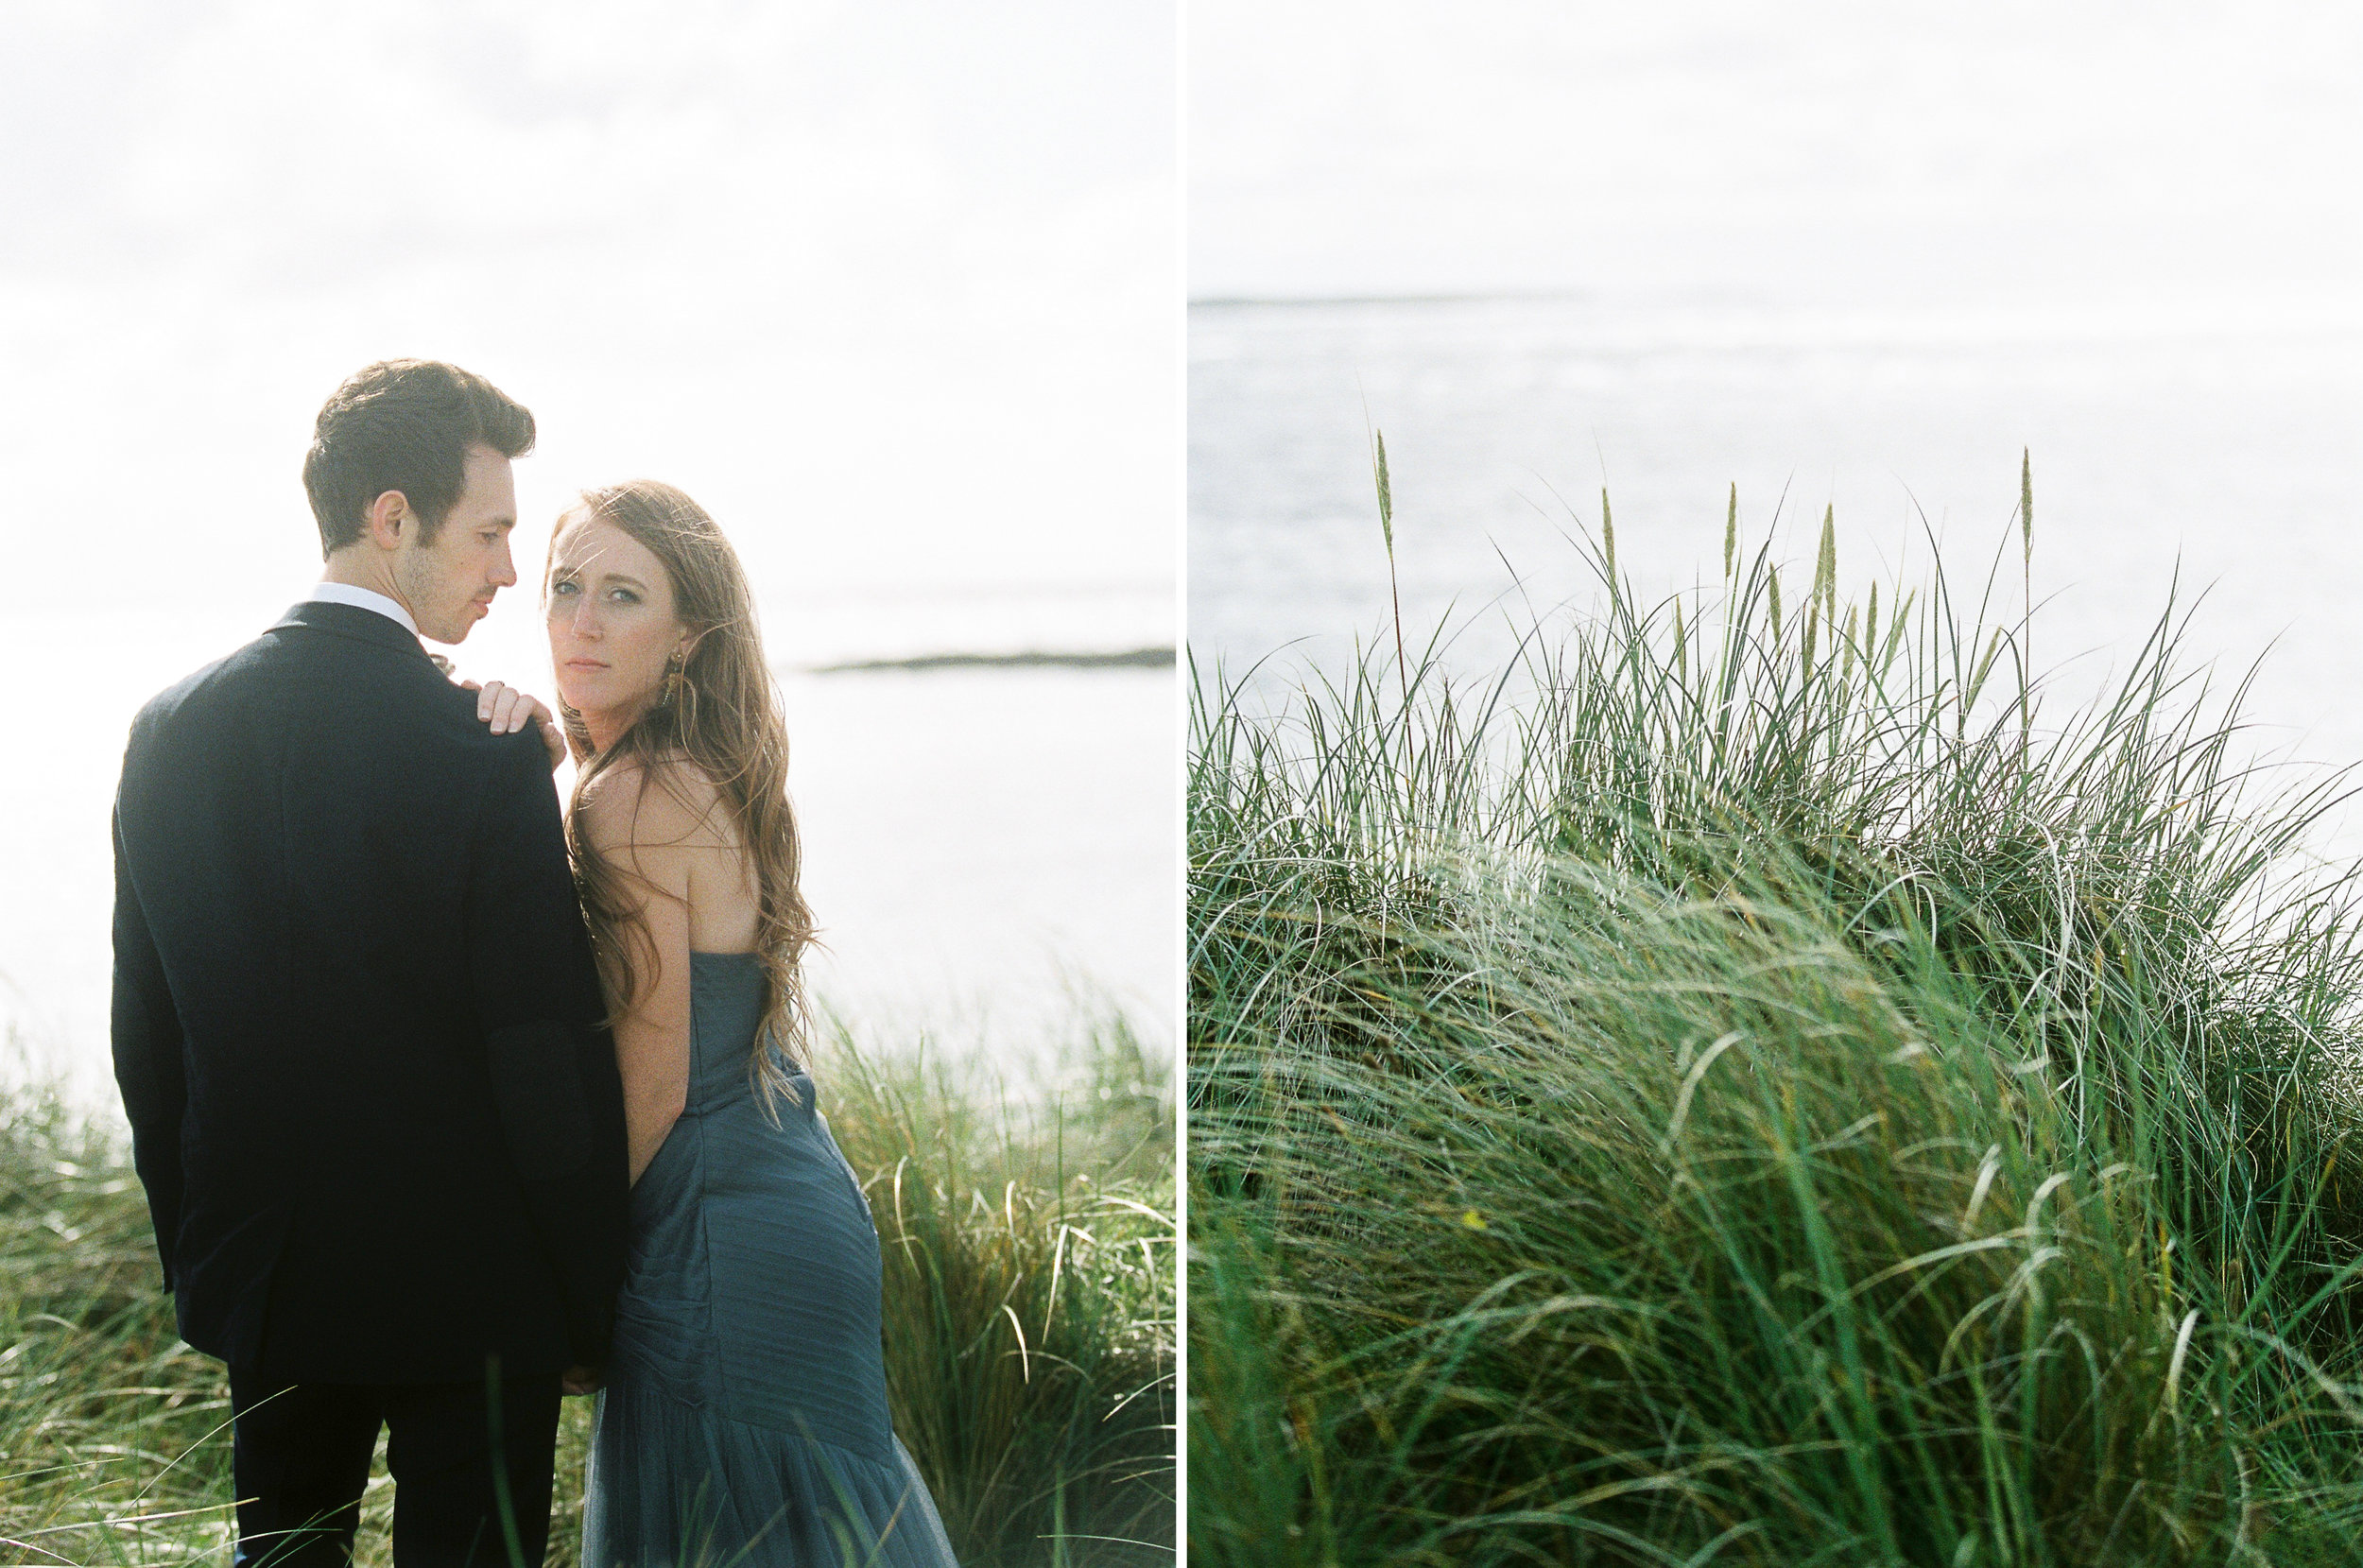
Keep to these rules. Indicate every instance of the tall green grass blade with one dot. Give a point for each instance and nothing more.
(1725, 1104)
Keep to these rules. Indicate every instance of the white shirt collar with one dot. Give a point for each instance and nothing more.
(363, 598)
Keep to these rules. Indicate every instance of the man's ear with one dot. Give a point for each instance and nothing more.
(387, 516)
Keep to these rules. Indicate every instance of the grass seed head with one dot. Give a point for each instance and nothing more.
(1825, 565)
(2027, 503)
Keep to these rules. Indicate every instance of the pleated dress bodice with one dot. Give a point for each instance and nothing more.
(752, 1282)
(746, 1399)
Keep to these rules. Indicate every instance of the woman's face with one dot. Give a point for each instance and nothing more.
(612, 621)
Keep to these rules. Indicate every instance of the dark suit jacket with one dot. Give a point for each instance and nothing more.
(356, 1021)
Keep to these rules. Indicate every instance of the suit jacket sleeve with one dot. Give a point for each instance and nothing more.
(551, 1060)
(144, 1029)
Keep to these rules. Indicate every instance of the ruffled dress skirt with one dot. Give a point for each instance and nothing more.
(744, 1417)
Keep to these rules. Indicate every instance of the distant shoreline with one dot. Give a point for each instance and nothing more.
(1286, 301)
(1141, 658)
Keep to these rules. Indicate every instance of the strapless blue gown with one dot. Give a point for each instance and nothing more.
(744, 1417)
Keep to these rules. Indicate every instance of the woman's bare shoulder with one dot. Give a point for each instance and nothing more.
(667, 801)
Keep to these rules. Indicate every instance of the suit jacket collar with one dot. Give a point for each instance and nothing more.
(351, 620)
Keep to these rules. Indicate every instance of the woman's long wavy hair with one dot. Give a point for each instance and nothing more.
(722, 714)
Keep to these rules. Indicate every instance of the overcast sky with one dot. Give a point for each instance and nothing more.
(2194, 155)
(891, 286)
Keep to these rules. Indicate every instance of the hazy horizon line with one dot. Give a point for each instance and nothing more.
(1423, 298)
(1154, 656)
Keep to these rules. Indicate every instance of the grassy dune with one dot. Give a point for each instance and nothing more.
(1755, 1085)
(1029, 1321)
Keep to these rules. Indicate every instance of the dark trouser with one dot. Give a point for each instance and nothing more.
(302, 1457)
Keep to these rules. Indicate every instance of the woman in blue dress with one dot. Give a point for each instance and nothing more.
(743, 1418)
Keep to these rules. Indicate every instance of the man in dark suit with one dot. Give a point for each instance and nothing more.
(357, 1025)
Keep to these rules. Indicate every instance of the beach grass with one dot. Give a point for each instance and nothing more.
(1029, 1296)
(1751, 1082)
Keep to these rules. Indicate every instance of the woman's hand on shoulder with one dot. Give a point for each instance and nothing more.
(502, 708)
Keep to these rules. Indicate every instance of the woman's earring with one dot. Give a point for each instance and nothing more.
(672, 681)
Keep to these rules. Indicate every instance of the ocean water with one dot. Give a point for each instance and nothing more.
(2216, 444)
(991, 853)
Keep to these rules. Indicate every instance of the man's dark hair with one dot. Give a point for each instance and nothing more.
(405, 424)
